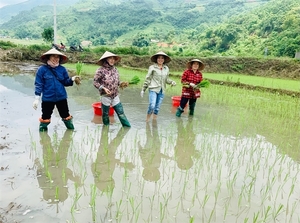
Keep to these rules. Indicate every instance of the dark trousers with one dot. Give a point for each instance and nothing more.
(62, 107)
(184, 101)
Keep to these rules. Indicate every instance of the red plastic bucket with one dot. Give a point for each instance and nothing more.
(98, 109)
(176, 100)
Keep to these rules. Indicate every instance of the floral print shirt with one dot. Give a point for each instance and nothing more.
(107, 76)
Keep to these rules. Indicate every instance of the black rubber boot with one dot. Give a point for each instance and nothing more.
(192, 108)
(122, 117)
(105, 114)
(68, 122)
(179, 111)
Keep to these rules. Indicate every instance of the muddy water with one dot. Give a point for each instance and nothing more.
(172, 170)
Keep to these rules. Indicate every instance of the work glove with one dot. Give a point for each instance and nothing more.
(173, 83)
(123, 85)
(76, 79)
(193, 85)
(142, 93)
(36, 102)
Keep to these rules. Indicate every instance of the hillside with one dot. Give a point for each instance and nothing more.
(190, 27)
(89, 19)
(9, 11)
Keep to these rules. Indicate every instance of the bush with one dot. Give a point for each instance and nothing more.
(36, 47)
(7, 45)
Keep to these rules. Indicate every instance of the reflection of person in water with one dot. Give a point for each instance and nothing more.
(54, 174)
(150, 154)
(105, 163)
(185, 147)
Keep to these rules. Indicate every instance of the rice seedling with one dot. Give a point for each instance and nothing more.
(56, 194)
(205, 200)
(266, 213)
(119, 213)
(93, 201)
(77, 196)
(277, 211)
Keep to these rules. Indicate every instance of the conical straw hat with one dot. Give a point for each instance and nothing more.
(201, 64)
(154, 57)
(106, 55)
(45, 56)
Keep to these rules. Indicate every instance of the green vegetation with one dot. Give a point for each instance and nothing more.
(48, 34)
(88, 71)
(226, 28)
(7, 45)
(292, 85)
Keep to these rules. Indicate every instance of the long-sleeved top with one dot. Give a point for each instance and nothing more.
(157, 78)
(188, 77)
(107, 76)
(51, 85)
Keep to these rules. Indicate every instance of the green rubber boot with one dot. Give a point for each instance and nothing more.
(179, 111)
(122, 117)
(105, 114)
(44, 125)
(68, 122)
(192, 108)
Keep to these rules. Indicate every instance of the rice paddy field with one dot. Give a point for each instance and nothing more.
(236, 160)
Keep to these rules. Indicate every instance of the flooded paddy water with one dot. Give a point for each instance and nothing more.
(225, 164)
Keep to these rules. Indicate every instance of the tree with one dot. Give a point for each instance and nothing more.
(141, 41)
(73, 40)
(22, 32)
(48, 34)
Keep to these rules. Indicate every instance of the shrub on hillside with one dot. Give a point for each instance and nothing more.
(7, 45)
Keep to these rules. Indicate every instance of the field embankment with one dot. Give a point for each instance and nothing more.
(265, 67)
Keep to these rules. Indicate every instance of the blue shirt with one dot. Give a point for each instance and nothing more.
(51, 87)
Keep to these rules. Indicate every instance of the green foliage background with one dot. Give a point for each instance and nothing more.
(188, 28)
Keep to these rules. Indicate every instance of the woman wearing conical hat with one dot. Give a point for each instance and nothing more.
(50, 82)
(190, 79)
(156, 80)
(107, 81)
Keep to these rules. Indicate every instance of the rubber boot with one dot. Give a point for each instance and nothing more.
(179, 111)
(43, 124)
(122, 117)
(68, 122)
(192, 108)
(105, 114)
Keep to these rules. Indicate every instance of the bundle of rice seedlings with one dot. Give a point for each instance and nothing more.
(203, 84)
(79, 66)
(134, 80)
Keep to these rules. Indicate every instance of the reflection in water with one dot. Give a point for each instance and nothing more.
(150, 154)
(105, 163)
(97, 119)
(185, 147)
(54, 174)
